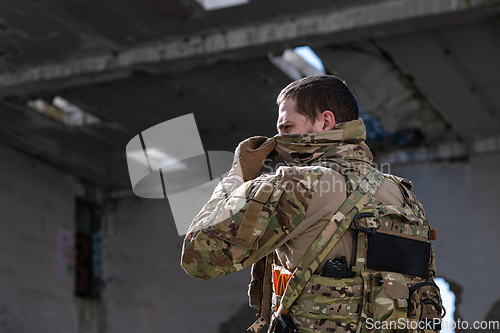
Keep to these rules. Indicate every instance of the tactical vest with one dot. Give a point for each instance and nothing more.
(392, 287)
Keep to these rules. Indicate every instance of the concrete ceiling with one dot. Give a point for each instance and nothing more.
(231, 101)
(441, 81)
(431, 66)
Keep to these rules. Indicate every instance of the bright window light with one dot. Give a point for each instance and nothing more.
(310, 57)
(449, 304)
(218, 4)
(298, 62)
(63, 111)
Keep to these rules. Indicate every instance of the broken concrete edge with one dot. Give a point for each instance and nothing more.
(450, 150)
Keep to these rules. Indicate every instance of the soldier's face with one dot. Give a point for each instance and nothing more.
(292, 122)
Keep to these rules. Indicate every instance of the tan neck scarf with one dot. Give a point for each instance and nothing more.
(345, 140)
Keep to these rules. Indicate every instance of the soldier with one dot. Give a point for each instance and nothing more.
(334, 243)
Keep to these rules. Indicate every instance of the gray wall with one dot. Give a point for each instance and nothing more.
(148, 291)
(36, 201)
(144, 287)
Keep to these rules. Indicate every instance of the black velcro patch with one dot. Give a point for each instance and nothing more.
(398, 254)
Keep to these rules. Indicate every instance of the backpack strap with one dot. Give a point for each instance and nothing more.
(329, 237)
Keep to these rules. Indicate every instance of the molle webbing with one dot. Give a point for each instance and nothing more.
(329, 305)
(261, 285)
(327, 298)
(331, 234)
(267, 292)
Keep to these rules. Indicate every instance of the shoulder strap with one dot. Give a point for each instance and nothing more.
(329, 237)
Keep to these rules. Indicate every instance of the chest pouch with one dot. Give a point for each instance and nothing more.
(425, 309)
(386, 300)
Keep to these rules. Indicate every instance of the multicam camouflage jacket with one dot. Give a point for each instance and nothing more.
(283, 213)
(244, 222)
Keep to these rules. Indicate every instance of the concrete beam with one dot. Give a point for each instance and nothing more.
(310, 27)
(451, 150)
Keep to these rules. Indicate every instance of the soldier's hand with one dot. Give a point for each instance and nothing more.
(250, 155)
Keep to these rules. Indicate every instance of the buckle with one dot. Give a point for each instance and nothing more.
(362, 229)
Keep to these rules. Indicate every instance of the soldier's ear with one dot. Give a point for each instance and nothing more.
(328, 119)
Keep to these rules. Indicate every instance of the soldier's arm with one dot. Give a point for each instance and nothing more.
(242, 224)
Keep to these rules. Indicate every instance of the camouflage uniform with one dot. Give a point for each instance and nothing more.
(283, 213)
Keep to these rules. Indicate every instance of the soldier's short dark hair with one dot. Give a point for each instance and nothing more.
(315, 94)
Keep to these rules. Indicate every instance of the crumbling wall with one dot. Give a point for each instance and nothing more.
(146, 289)
(36, 230)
